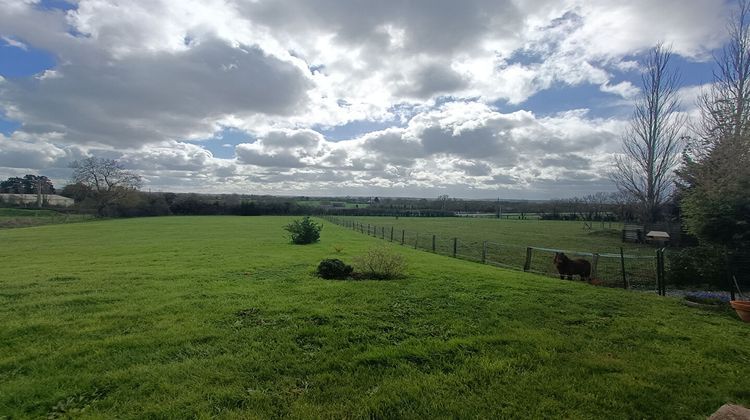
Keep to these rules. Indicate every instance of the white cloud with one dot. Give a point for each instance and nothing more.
(139, 79)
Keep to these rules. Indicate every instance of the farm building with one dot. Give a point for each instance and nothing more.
(31, 199)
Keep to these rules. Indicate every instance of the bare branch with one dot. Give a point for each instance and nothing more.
(652, 143)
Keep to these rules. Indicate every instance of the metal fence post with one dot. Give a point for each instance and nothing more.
(484, 252)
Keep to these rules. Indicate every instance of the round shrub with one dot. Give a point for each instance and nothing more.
(304, 231)
(333, 268)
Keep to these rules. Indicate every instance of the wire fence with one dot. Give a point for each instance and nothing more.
(641, 272)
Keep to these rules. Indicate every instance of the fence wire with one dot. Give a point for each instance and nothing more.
(613, 270)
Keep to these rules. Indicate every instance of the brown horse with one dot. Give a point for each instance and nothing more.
(567, 267)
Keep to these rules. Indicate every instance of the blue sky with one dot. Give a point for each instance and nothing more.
(402, 98)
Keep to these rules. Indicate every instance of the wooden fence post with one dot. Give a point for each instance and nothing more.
(527, 264)
(594, 264)
(403, 232)
(416, 241)
(455, 246)
(391, 233)
(382, 233)
(433, 243)
(484, 252)
(368, 229)
(622, 267)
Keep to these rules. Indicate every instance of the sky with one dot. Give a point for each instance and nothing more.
(513, 99)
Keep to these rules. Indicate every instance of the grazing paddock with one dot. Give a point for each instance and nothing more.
(179, 317)
(506, 243)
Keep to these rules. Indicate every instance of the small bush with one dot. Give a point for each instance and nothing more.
(381, 263)
(304, 231)
(334, 269)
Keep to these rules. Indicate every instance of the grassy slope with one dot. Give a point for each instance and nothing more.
(540, 233)
(195, 316)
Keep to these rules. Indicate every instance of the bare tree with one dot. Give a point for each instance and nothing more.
(652, 143)
(105, 179)
(725, 106)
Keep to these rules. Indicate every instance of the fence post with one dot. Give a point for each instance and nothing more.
(594, 264)
(527, 264)
(433, 243)
(382, 233)
(660, 273)
(484, 252)
(416, 241)
(402, 236)
(391, 233)
(455, 246)
(368, 229)
(622, 267)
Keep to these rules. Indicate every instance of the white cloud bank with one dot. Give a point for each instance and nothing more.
(145, 80)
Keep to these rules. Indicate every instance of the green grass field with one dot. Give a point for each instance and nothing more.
(508, 240)
(567, 235)
(181, 317)
(18, 217)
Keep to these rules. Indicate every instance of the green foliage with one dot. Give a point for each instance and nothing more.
(333, 268)
(29, 184)
(715, 193)
(304, 231)
(701, 265)
(183, 317)
(381, 263)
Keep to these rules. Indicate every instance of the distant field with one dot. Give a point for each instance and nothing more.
(565, 235)
(198, 317)
(16, 217)
(508, 240)
(319, 203)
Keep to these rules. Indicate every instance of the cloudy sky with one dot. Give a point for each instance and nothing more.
(471, 98)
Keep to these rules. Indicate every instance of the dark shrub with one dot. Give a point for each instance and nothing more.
(334, 269)
(700, 265)
(304, 231)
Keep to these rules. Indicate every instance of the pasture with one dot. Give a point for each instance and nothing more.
(567, 235)
(508, 239)
(179, 317)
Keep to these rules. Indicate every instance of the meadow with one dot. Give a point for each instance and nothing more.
(179, 317)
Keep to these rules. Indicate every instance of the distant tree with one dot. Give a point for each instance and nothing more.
(107, 180)
(29, 184)
(652, 143)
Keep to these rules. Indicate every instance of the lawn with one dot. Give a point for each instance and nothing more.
(182, 317)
